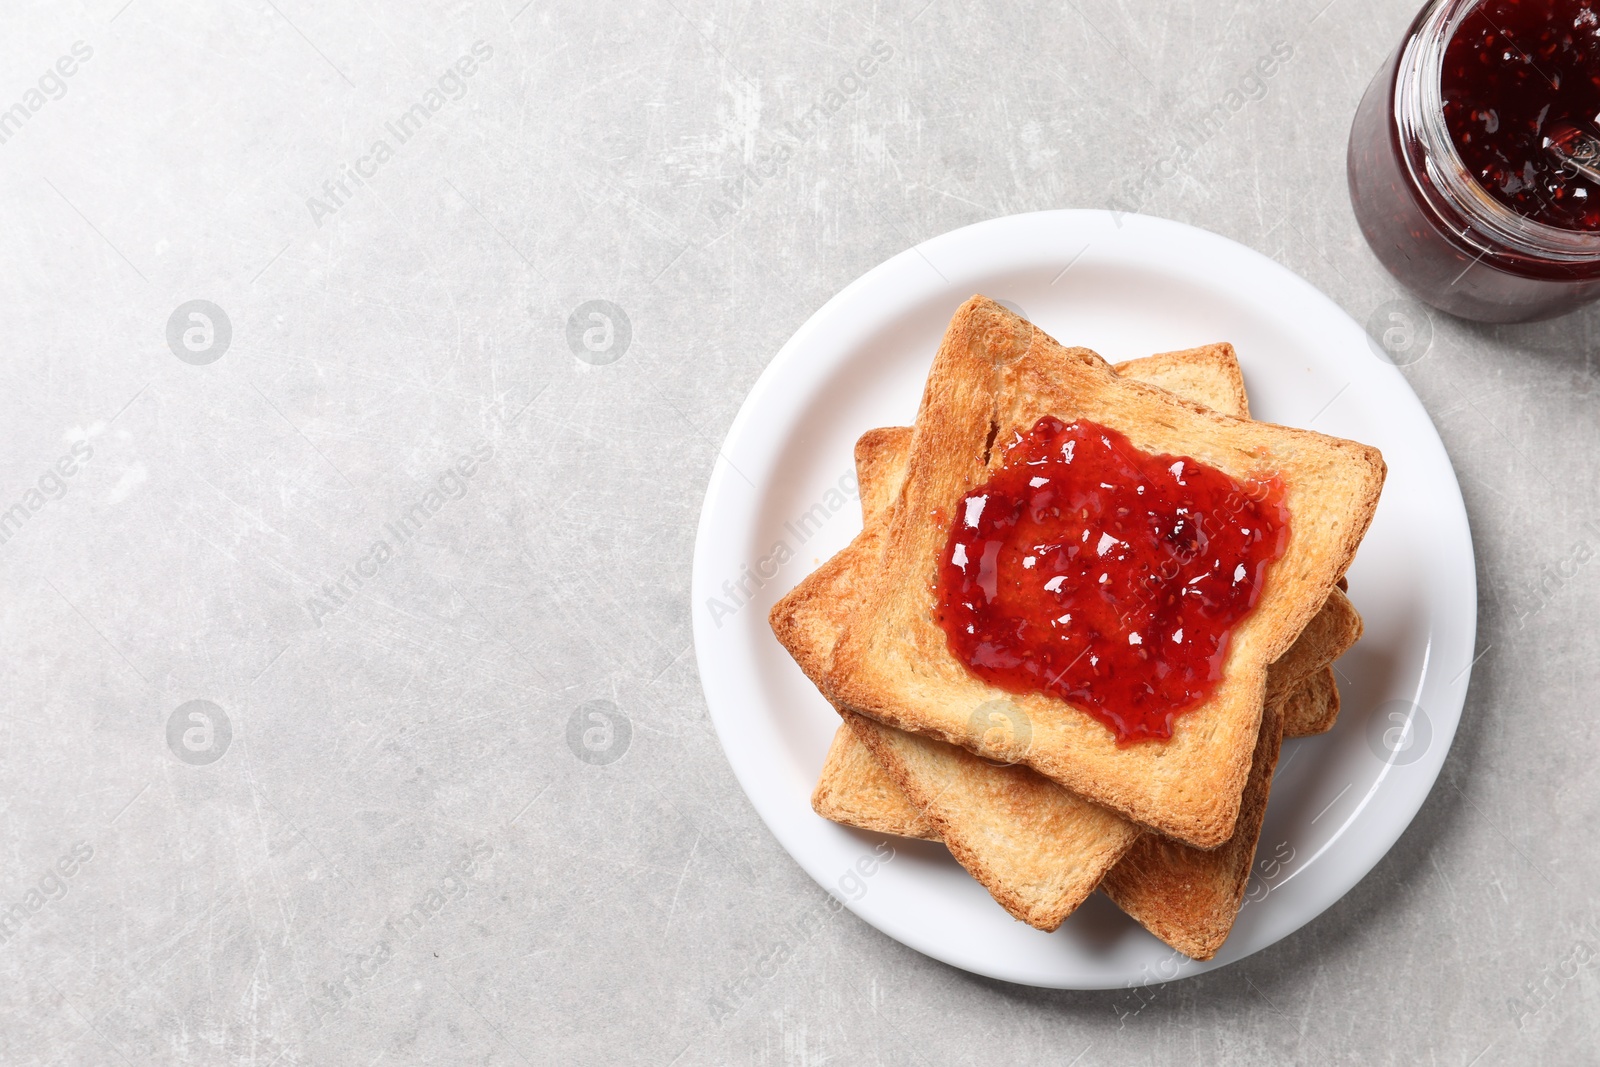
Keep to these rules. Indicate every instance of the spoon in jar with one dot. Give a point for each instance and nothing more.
(1578, 151)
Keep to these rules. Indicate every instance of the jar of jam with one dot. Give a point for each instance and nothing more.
(1474, 159)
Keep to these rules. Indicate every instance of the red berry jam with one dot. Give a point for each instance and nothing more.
(1518, 75)
(1106, 576)
(1473, 156)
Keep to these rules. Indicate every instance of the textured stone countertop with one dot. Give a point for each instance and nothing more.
(365, 505)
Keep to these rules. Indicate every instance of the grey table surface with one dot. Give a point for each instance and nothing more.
(372, 843)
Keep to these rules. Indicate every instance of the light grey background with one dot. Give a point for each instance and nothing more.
(651, 154)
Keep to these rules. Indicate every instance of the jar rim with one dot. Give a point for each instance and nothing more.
(1438, 172)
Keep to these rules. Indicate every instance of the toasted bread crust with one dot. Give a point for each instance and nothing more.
(1039, 850)
(995, 374)
(880, 470)
(855, 790)
(854, 787)
(808, 620)
(1329, 635)
(1312, 707)
(1189, 897)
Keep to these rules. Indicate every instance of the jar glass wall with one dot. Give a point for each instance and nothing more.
(1427, 217)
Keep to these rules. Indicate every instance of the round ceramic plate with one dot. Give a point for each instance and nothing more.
(781, 500)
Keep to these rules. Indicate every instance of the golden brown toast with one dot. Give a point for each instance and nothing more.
(1312, 706)
(855, 789)
(1037, 848)
(995, 374)
(1330, 633)
(805, 618)
(1039, 876)
(1189, 897)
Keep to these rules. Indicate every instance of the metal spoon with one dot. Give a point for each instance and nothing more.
(1578, 151)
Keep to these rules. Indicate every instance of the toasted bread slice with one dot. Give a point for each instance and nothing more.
(1036, 847)
(1312, 706)
(1039, 850)
(855, 790)
(1329, 635)
(1189, 897)
(996, 374)
(806, 619)
(1026, 840)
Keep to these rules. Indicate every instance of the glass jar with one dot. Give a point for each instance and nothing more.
(1428, 220)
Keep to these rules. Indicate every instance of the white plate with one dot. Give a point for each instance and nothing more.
(1124, 286)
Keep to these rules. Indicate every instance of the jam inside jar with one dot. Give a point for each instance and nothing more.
(1473, 158)
(1521, 90)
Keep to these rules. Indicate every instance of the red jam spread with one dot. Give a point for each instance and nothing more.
(1104, 575)
(1517, 76)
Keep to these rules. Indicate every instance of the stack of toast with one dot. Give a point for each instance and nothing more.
(1033, 795)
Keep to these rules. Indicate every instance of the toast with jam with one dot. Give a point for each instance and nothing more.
(998, 382)
(1032, 845)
